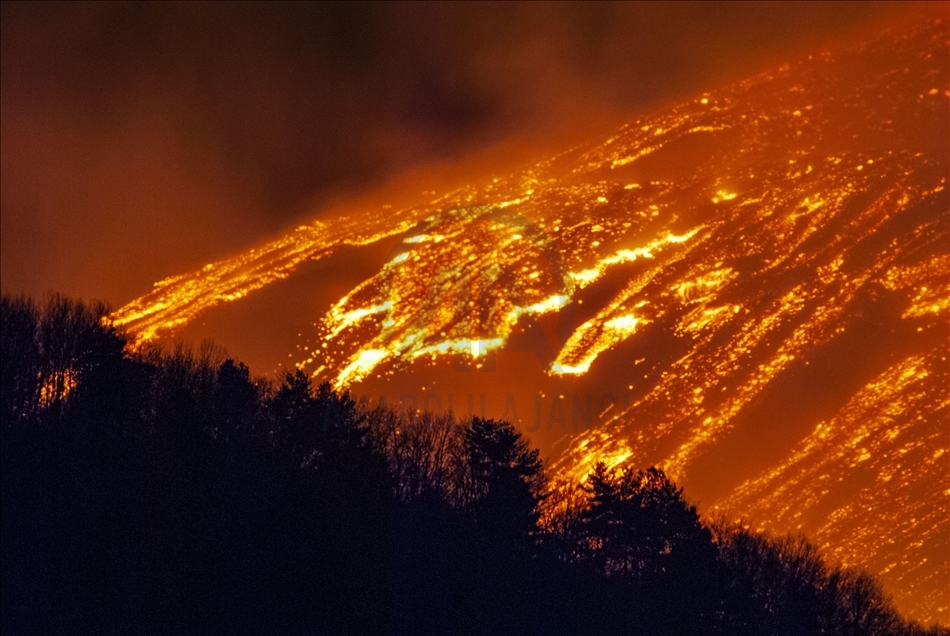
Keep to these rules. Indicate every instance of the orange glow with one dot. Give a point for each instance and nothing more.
(57, 387)
(749, 233)
(865, 441)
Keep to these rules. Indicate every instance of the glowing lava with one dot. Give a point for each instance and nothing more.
(788, 231)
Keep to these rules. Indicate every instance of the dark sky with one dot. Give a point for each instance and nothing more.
(143, 140)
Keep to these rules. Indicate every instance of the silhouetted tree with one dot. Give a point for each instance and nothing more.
(164, 491)
(640, 530)
(855, 604)
(785, 587)
(234, 401)
(19, 366)
(425, 452)
(504, 480)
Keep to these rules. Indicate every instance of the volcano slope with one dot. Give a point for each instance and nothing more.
(749, 289)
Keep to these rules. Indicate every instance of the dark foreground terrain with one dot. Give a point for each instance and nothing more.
(168, 492)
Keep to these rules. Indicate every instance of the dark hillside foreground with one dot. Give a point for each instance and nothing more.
(167, 492)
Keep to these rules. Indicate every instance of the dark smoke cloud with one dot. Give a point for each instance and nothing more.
(141, 140)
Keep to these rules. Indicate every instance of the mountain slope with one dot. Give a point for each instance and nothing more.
(749, 289)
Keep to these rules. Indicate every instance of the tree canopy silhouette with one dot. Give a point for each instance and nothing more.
(167, 491)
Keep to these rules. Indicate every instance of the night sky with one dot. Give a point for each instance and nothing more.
(144, 140)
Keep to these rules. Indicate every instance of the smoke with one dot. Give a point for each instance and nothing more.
(143, 140)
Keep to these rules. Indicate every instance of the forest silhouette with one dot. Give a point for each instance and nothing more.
(169, 492)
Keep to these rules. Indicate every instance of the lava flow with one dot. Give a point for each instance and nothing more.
(750, 289)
